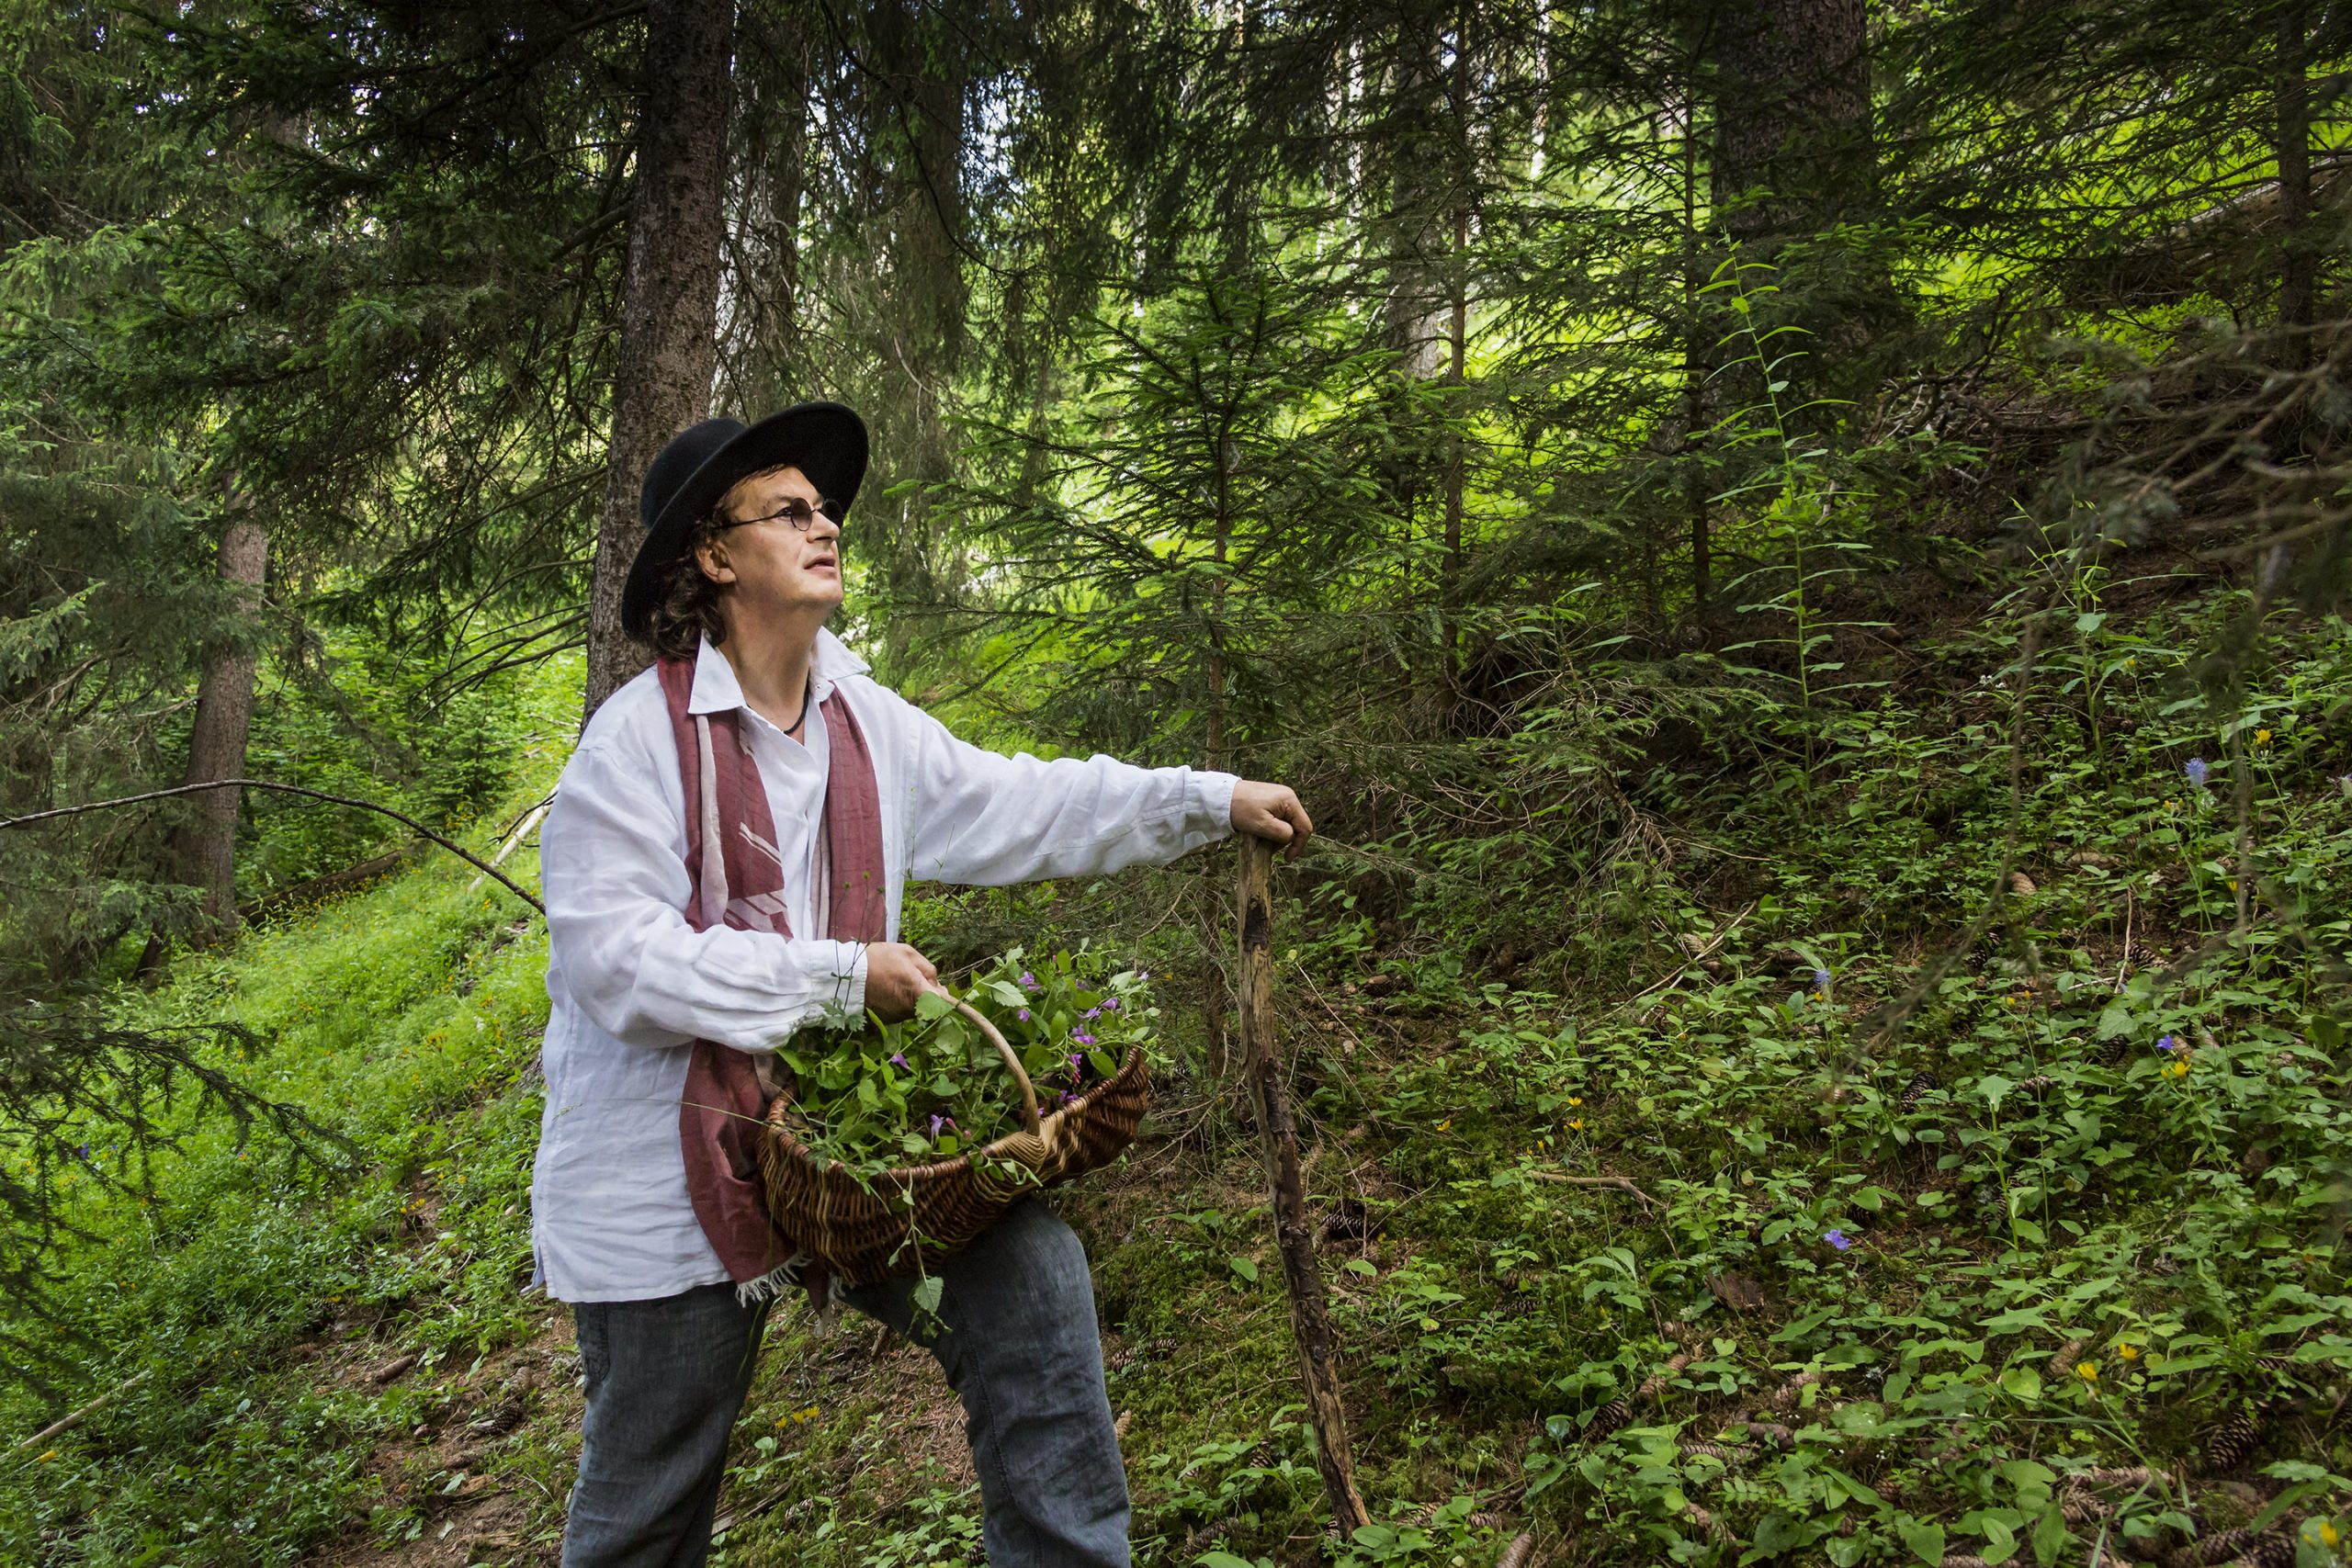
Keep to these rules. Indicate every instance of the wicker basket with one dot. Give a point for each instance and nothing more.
(861, 1235)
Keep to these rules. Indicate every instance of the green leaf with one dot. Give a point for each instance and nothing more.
(933, 1005)
(2049, 1535)
(1243, 1266)
(928, 1291)
(2022, 1382)
(1926, 1540)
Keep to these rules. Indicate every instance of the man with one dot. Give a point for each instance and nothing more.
(724, 857)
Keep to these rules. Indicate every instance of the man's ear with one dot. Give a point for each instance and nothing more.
(712, 555)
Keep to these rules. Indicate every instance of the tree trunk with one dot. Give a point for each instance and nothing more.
(923, 62)
(1794, 158)
(2299, 266)
(765, 364)
(204, 848)
(1793, 118)
(1216, 1036)
(670, 308)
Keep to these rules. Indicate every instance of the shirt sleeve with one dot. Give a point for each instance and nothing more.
(612, 867)
(979, 817)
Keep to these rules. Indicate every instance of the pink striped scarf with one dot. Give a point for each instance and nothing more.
(737, 875)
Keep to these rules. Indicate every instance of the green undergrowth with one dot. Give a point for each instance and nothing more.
(1799, 1201)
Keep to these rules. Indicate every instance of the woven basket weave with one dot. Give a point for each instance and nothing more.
(861, 1233)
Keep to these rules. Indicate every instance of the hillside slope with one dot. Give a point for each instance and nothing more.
(1668, 1240)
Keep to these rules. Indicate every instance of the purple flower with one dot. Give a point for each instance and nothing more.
(1077, 1062)
(899, 1059)
(1023, 1015)
(2167, 1043)
(1839, 1239)
(1091, 1012)
(1110, 1004)
(937, 1122)
(1028, 980)
(2196, 772)
(1081, 1037)
(1069, 1099)
(1143, 974)
(1821, 979)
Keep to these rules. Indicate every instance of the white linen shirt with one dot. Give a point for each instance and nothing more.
(633, 985)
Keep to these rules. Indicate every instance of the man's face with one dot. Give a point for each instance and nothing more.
(770, 566)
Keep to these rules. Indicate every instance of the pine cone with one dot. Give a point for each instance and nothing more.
(1714, 1451)
(2271, 1552)
(1613, 1415)
(1921, 1082)
(2227, 1443)
(1784, 1398)
(1653, 1385)
(2222, 1546)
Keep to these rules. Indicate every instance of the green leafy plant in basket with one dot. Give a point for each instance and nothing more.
(877, 1096)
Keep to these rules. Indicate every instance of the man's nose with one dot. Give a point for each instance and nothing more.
(824, 519)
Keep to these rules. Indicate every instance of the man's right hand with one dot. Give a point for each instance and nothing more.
(894, 975)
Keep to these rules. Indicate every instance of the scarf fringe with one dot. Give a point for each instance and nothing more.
(772, 1285)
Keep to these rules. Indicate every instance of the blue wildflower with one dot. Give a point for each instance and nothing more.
(2196, 771)
(1821, 979)
(2167, 1043)
(1839, 1239)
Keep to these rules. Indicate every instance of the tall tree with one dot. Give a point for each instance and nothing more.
(206, 844)
(668, 314)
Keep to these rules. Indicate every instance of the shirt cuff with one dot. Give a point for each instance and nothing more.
(1210, 805)
(843, 977)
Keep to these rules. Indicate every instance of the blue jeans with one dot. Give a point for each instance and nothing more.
(667, 1377)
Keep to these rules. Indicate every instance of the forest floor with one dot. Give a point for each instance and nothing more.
(2051, 1269)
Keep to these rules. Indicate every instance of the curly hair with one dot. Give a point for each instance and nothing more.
(687, 610)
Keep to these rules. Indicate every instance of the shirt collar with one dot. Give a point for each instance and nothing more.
(716, 689)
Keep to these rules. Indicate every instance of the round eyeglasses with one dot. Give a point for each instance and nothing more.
(797, 513)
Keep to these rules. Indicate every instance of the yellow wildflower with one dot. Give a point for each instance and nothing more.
(2087, 1371)
(2179, 1070)
(2261, 737)
(2128, 1352)
(2327, 1535)
(1577, 1125)
(1444, 1124)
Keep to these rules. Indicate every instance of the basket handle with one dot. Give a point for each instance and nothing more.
(1011, 1060)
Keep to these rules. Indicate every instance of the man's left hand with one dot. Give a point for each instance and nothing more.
(1272, 812)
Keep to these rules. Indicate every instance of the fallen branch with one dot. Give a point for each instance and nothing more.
(522, 831)
(67, 1423)
(467, 855)
(1621, 1183)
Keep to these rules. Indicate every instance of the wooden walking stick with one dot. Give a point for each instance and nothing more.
(1302, 1280)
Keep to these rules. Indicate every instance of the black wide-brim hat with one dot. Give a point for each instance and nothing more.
(824, 441)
